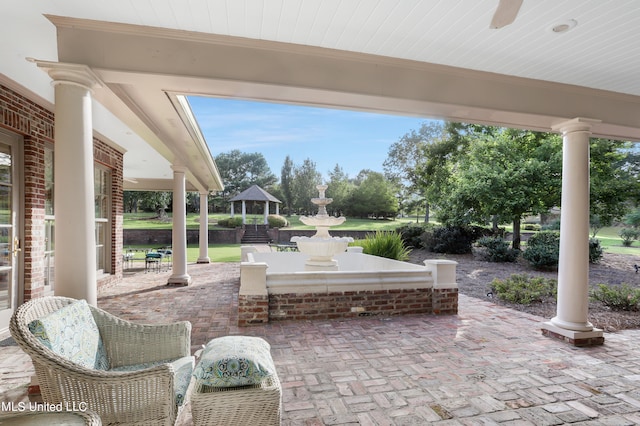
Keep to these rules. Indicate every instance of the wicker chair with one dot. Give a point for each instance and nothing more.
(36, 418)
(142, 397)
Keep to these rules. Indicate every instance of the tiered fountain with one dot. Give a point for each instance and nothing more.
(321, 247)
(325, 280)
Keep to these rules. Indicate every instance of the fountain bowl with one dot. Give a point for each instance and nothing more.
(321, 250)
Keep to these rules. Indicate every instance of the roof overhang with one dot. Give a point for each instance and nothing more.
(148, 69)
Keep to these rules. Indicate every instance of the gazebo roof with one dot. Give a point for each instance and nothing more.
(255, 193)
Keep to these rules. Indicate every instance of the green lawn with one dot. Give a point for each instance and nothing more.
(217, 252)
(612, 243)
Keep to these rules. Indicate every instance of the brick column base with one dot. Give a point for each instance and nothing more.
(252, 309)
(445, 301)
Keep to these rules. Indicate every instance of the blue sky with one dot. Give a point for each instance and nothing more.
(354, 140)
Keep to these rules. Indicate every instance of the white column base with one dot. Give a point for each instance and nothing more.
(183, 280)
(574, 337)
(203, 260)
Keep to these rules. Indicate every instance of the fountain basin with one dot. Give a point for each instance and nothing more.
(320, 251)
(276, 286)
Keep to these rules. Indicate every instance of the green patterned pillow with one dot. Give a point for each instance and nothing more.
(234, 361)
(72, 333)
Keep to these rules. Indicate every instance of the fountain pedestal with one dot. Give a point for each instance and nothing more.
(321, 247)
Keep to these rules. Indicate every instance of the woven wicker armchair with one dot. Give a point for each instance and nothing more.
(145, 396)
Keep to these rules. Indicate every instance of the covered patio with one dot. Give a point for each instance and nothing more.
(487, 365)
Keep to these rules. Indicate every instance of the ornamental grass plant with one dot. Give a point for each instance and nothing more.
(387, 244)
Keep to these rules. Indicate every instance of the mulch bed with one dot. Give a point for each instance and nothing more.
(474, 277)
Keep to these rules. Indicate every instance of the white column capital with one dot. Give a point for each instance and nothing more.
(178, 168)
(578, 124)
(71, 74)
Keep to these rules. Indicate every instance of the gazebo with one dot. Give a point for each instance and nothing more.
(255, 193)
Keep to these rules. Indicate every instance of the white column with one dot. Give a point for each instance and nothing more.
(266, 212)
(179, 231)
(277, 208)
(203, 241)
(75, 257)
(571, 318)
(244, 212)
(232, 212)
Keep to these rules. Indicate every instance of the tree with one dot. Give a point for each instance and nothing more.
(306, 178)
(131, 200)
(193, 202)
(406, 154)
(506, 174)
(156, 201)
(286, 183)
(239, 170)
(612, 185)
(373, 197)
(339, 189)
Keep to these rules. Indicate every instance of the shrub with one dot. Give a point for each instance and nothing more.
(387, 244)
(453, 239)
(231, 222)
(277, 221)
(618, 298)
(524, 290)
(543, 250)
(628, 235)
(633, 218)
(531, 227)
(595, 250)
(412, 233)
(495, 249)
(553, 226)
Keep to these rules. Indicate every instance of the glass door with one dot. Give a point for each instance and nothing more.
(9, 237)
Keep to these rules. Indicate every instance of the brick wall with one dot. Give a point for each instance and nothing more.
(349, 304)
(445, 301)
(252, 310)
(35, 125)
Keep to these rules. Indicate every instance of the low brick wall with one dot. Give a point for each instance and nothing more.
(252, 310)
(349, 304)
(309, 306)
(386, 291)
(162, 237)
(445, 301)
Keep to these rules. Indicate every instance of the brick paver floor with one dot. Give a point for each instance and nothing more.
(488, 365)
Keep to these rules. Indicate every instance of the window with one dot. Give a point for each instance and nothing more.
(102, 189)
(49, 219)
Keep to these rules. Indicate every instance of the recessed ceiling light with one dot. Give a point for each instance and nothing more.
(563, 27)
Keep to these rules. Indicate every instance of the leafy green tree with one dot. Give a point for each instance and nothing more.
(506, 174)
(131, 200)
(339, 188)
(286, 184)
(239, 170)
(406, 154)
(612, 184)
(156, 201)
(633, 218)
(193, 202)
(306, 178)
(373, 197)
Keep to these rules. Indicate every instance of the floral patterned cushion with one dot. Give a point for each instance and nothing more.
(183, 368)
(234, 361)
(72, 333)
